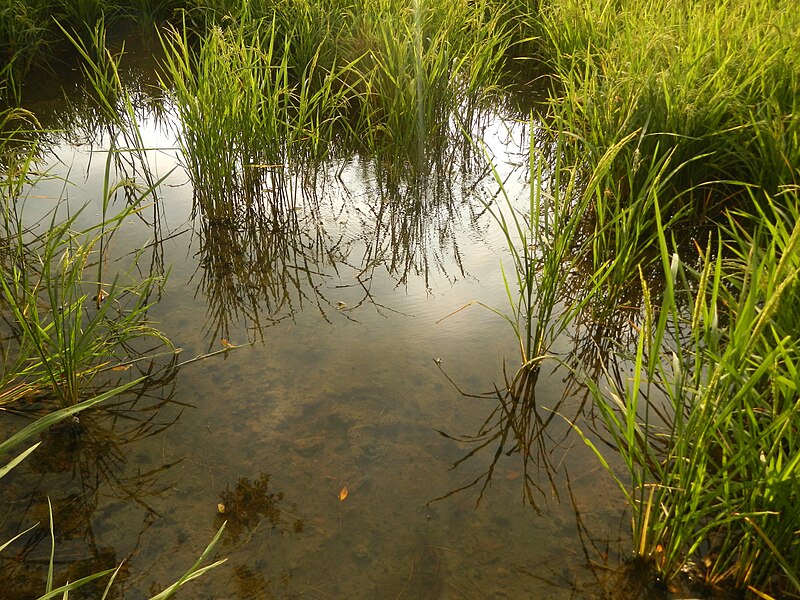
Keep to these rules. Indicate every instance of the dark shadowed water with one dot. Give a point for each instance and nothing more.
(346, 381)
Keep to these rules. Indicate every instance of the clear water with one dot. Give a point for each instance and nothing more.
(345, 380)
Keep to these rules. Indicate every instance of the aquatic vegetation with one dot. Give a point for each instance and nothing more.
(662, 176)
(394, 85)
(712, 86)
(23, 41)
(702, 411)
(699, 109)
(239, 134)
(68, 328)
(707, 420)
(436, 65)
(250, 504)
(31, 32)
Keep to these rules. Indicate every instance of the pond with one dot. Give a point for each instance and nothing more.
(352, 439)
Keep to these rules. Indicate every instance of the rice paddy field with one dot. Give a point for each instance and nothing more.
(400, 299)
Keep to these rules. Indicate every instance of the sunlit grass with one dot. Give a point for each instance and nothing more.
(714, 480)
(245, 118)
(664, 181)
(664, 172)
(714, 85)
(264, 93)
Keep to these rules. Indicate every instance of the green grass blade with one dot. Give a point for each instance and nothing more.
(16, 537)
(51, 419)
(195, 570)
(13, 463)
(66, 588)
(49, 587)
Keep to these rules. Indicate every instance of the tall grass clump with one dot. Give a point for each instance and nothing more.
(707, 423)
(711, 85)
(32, 33)
(392, 79)
(424, 66)
(70, 318)
(571, 255)
(244, 118)
(24, 40)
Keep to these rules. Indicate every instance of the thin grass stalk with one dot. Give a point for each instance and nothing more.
(711, 480)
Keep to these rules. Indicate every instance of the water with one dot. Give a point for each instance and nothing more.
(352, 351)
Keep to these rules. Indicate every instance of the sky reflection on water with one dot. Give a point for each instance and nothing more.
(345, 301)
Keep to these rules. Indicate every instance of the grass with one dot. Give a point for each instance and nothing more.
(703, 412)
(390, 79)
(70, 309)
(700, 99)
(68, 328)
(669, 158)
(31, 32)
(59, 340)
(240, 133)
(663, 179)
(713, 85)
(713, 478)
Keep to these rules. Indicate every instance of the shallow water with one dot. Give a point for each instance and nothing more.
(352, 349)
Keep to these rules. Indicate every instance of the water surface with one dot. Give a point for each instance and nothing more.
(352, 347)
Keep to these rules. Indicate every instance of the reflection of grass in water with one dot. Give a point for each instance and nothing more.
(368, 84)
(516, 426)
(266, 261)
(261, 266)
(57, 341)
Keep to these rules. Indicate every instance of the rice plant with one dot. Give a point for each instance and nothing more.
(707, 423)
(713, 85)
(425, 66)
(24, 40)
(65, 337)
(699, 101)
(243, 131)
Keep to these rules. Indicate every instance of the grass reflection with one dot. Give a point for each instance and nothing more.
(89, 455)
(251, 505)
(258, 266)
(295, 240)
(518, 425)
